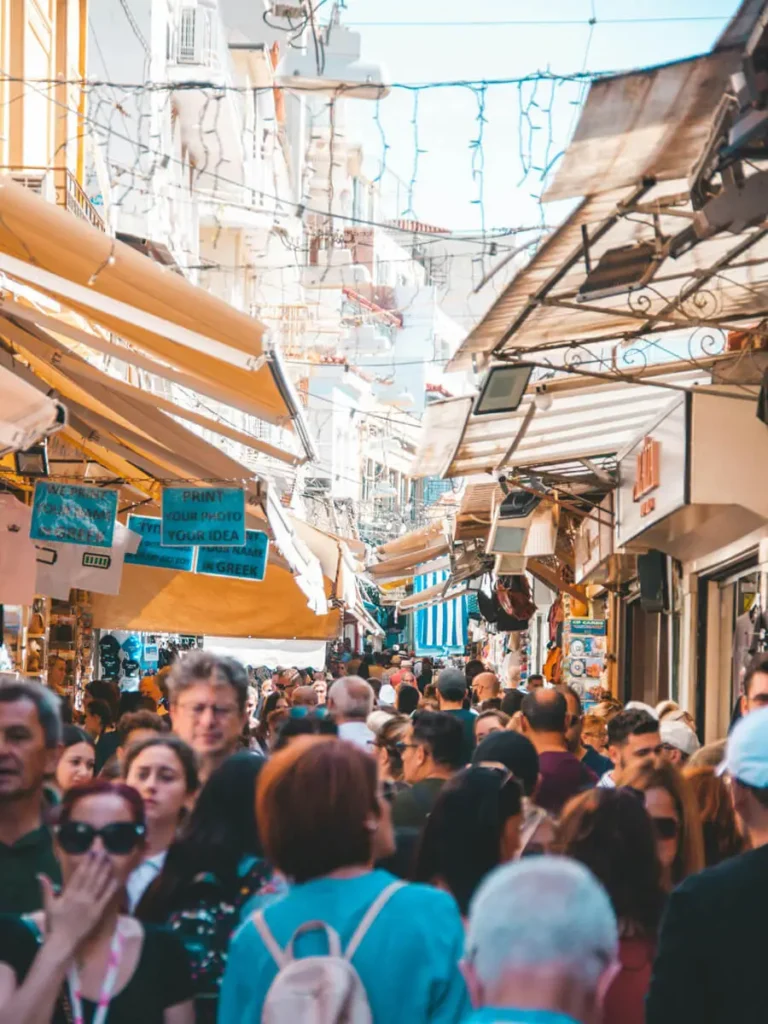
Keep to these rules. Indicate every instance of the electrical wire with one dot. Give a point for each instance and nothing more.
(541, 22)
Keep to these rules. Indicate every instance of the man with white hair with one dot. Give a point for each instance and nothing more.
(542, 944)
(350, 701)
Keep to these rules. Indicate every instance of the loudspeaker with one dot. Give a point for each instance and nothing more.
(652, 574)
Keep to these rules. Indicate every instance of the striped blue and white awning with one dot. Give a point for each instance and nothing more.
(439, 628)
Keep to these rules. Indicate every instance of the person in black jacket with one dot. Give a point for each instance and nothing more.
(710, 965)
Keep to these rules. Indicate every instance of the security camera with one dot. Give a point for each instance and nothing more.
(503, 480)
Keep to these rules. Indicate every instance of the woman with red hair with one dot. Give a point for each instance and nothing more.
(323, 823)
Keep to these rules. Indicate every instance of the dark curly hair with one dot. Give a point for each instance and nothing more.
(610, 831)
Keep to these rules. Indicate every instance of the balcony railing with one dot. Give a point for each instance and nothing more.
(58, 185)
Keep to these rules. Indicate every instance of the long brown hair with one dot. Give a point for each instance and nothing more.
(610, 832)
(722, 838)
(690, 848)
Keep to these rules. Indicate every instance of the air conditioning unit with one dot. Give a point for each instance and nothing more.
(542, 535)
(510, 565)
(511, 520)
(194, 41)
(37, 181)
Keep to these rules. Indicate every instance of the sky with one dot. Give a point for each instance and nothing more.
(451, 182)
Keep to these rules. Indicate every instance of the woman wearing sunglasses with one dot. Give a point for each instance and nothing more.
(675, 817)
(81, 959)
(163, 771)
(610, 832)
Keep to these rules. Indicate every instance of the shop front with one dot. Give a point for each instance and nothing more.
(692, 505)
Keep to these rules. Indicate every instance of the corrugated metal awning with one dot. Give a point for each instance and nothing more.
(719, 283)
(649, 122)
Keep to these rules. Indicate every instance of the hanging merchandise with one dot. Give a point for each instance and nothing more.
(553, 666)
(61, 567)
(507, 604)
(109, 656)
(585, 643)
(555, 621)
(750, 637)
(17, 553)
(514, 593)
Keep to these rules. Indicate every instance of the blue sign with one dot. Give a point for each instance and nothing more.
(71, 514)
(213, 517)
(586, 627)
(246, 563)
(151, 551)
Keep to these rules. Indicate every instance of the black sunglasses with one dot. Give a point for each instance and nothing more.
(666, 828)
(120, 837)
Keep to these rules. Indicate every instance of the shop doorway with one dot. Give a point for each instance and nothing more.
(646, 654)
(729, 633)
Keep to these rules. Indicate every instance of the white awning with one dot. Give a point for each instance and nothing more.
(26, 415)
(304, 565)
(430, 597)
(592, 421)
(270, 653)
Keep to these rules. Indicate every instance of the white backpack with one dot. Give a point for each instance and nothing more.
(319, 989)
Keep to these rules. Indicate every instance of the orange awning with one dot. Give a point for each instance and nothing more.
(162, 601)
(152, 307)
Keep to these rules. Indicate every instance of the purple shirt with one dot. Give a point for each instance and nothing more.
(562, 776)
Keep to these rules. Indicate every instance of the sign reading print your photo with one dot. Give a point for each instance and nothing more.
(72, 514)
(203, 517)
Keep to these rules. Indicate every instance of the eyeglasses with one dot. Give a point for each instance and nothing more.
(120, 837)
(198, 710)
(402, 745)
(666, 828)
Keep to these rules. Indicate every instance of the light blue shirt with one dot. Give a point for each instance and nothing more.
(408, 961)
(507, 1015)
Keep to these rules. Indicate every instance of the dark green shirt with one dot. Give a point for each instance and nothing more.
(467, 721)
(412, 806)
(20, 864)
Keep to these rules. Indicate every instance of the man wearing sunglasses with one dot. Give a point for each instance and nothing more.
(208, 695)
(30, 745)
(710, 964)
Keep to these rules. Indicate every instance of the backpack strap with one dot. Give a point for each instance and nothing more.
(283, 957)
(369, 917)
(275, 951)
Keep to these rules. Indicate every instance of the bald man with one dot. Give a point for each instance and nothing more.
(486, 686)
(561, 774)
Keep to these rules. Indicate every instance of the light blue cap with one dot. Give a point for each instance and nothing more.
(746, 752)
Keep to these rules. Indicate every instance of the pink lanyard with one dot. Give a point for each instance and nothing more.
(107, 988)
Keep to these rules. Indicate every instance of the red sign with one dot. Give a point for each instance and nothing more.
(647, 475)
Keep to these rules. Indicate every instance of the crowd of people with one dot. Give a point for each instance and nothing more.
(392, 843)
